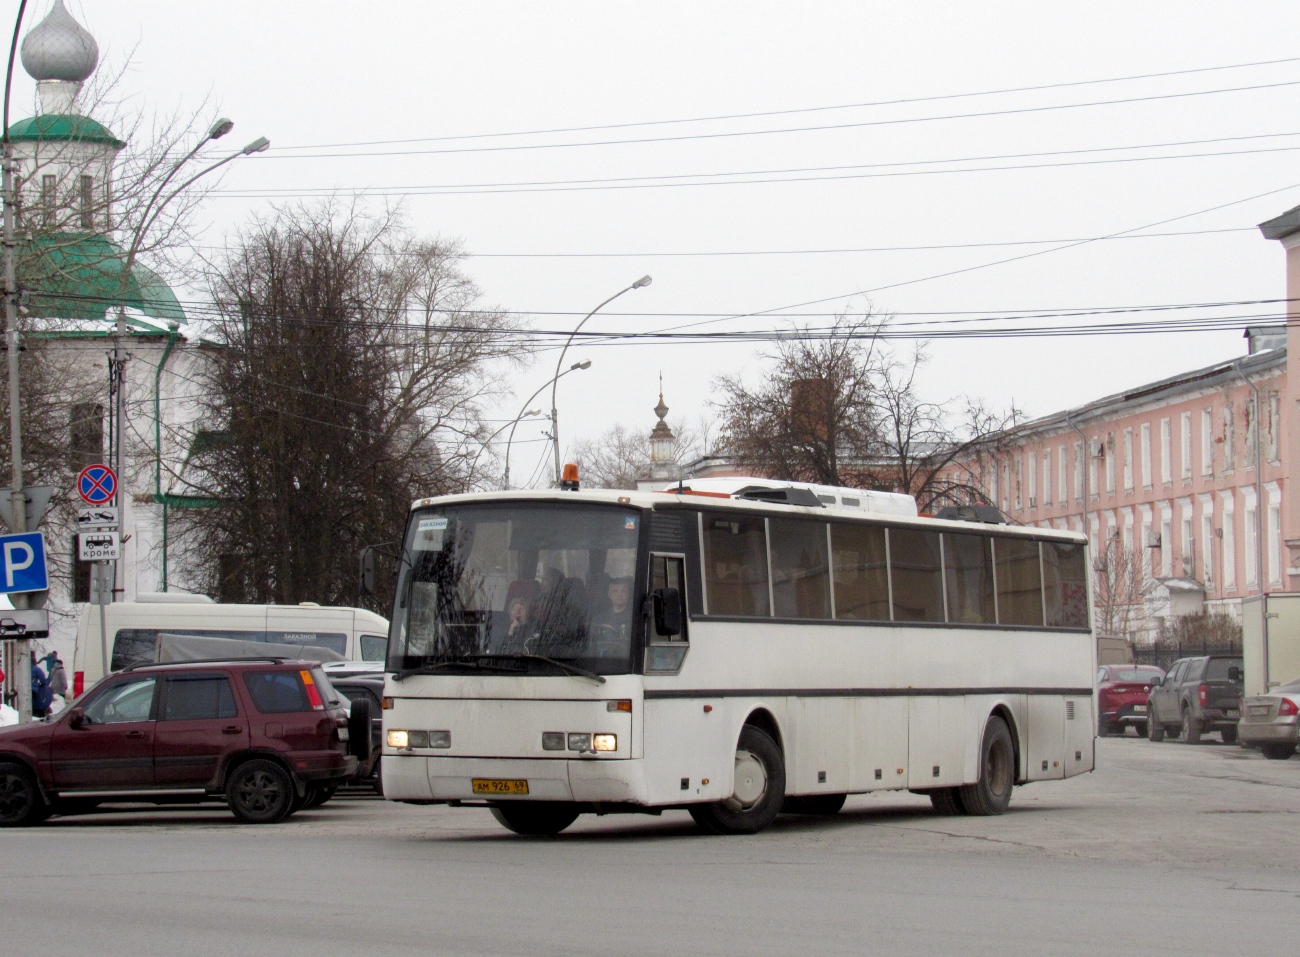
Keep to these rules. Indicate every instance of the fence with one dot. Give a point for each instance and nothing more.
(1165, 654)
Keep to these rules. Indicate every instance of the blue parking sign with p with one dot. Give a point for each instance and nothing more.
(22, 563)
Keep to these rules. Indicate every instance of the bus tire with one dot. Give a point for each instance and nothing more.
(535, 818)
(759, 790)
(824, 804)
(992, 792)
(946, 802)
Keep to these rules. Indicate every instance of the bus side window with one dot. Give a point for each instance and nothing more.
(667, 577)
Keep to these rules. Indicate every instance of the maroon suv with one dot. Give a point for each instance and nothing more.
(268, 735)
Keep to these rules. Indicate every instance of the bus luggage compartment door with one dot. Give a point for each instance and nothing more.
(1046, 750)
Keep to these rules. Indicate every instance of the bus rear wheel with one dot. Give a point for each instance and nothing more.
(992, 792)
(759, 788)
(535, 818)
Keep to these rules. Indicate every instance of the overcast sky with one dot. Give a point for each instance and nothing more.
(326, 80)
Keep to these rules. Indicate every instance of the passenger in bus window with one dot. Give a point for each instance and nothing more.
(611, 627)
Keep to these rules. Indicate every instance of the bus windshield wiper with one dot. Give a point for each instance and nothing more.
(467, 661)
(563, 666)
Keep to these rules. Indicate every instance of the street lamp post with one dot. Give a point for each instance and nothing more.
(576, 367)
(488, 440)
(555, 415)
(152, 210)
(20, 663)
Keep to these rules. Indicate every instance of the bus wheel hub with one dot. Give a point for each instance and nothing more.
(751, 782)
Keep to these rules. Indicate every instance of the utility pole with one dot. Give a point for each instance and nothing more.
(22, 660)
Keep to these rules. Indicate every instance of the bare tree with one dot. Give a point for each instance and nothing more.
(814, 416)
(1122, 583)
(347, 381)
(621, 456)
(837, 408)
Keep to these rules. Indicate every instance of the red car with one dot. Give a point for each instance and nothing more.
(269, 736)
(1122, 692)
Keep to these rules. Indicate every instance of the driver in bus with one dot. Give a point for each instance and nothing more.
(611, 629)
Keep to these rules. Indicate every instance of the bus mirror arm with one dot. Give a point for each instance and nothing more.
(667, 603)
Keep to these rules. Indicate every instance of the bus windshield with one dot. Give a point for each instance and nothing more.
(499, 588)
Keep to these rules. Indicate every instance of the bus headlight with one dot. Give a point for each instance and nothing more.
(399, 739)
(579, 742)
(604, 742)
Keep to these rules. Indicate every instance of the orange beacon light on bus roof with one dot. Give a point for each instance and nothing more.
(569, 478)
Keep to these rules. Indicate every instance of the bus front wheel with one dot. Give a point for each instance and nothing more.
(535, 818)
(759, 789)
(992, 792)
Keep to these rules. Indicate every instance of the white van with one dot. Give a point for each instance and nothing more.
(133, 628)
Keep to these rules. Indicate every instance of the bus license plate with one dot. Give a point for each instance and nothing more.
(497, 786)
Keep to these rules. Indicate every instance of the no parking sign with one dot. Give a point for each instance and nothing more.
(97, 484)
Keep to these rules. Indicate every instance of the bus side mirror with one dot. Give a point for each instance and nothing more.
(366, 583)
(667, 612)
(76, 719)
(1234, 673)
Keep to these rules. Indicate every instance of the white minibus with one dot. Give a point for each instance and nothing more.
(133, 627)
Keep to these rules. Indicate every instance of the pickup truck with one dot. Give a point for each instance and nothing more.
(1197, 695)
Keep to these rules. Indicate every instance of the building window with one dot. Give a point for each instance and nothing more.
(1274, 537)
(1166, 542)
(1093, 487)
(1251, 430)
(1078, 471)
(1047, 477)
(1185, 453)
(87, 202)
(1006, 484)
(1207, 442)
(1061, 471)
(1229, 546)
(87, 434)
(49, 198)
(1020, 479)
(1188, 543)
(1166, 455)
(1128, 460)
(1033, 479)
(1229, 439)
(1207, 542)
(1109, 452)
(1274, 426)
(1251, 536)
(1146, 454)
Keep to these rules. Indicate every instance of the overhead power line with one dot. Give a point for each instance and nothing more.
(826, 127)
(799, 110)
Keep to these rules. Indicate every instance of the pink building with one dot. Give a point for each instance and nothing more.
(1190, 476)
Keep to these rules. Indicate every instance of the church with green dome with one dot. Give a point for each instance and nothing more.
(72, 263)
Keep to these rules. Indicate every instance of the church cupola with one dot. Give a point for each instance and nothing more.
(59, 54)
(663, 460)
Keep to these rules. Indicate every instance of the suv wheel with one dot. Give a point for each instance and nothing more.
(1191, 728)
(260, 792)
(1155, 730)
(20, 799)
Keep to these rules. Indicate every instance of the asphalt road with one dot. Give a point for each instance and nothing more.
(1166, 849)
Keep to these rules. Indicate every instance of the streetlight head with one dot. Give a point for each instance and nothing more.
(533, 412)
(585, 364)
(643, 281)
(220, 128)
(259, 145)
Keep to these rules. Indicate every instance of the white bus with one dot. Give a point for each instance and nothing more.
(734, 653)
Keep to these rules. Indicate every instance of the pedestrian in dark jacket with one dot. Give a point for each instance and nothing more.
(42, 696)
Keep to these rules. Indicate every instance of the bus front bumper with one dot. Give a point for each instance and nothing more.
(421, 778)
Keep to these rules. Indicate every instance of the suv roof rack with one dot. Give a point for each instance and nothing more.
(273, 659)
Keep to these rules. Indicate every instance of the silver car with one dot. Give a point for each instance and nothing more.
(1271, 721)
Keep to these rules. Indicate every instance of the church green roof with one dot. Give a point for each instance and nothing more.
(62, 127)
(79, 276)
